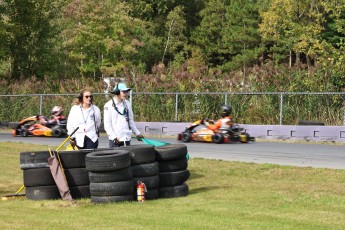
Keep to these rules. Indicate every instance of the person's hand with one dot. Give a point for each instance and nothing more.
(72, 142)
(116, 141)
(140, 137)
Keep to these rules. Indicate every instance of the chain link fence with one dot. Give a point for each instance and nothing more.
(261, 108)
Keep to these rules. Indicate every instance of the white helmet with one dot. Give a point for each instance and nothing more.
(57, 111)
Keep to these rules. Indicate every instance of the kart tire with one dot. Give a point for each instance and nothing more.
(24, 133)
(218, 138)
(57, 132)
(186, 136)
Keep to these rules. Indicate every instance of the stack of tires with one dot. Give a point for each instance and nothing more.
(173, 172)
(110, 175)
(38, 179)
(145, 169)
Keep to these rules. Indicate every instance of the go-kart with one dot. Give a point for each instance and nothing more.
(41, 126)
(198, 131)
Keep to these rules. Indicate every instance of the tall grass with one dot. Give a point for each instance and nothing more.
(250, 109)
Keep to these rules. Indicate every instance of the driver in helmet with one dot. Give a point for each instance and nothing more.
(57, 113)
(225, 122)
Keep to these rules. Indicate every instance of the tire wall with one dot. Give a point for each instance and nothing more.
(39, 182)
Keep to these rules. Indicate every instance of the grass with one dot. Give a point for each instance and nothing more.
(223, 195)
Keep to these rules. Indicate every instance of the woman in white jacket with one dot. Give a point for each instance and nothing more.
(118, 118)
(87, 117)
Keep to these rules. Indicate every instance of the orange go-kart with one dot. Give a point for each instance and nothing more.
(198, 131)
(40, 126)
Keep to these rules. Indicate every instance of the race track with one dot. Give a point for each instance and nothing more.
(304, 155)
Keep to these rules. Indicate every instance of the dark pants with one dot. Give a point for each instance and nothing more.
(113, 145)
(89, 144)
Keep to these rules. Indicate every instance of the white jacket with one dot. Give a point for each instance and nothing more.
(84, 119)
(115, 123)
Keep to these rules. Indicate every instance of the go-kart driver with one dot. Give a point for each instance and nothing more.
(57, 113)
(225, 122)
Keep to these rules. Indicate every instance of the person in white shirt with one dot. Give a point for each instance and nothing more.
(118, 118)
(87, 117)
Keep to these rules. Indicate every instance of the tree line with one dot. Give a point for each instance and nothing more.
(266, 45)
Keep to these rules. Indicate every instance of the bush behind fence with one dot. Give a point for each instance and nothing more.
(248, 108)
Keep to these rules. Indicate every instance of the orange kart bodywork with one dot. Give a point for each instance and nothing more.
(198, 131)
(31, 126)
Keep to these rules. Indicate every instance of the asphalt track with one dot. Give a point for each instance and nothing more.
(294, 154)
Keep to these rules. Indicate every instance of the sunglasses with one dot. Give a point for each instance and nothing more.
(88, 96)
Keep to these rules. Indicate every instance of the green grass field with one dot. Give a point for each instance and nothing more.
(223, 195)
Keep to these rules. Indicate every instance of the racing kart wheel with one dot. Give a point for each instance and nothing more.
(218, 138)
(186, 136)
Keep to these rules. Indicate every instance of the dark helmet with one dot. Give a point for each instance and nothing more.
(225, 110)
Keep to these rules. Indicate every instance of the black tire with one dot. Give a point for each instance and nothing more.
(152, 194)
(37, 159)
(42, 193)
(141, 154)
(151, 182)
(78, 192)
(108, 160)
(38, 177)
(175, 191)
(150, 169)
(111, 176)
(43, 177)
(111, 199)
(57, 131)
(168, 179)
(118, 188)
(77, 176)
(24, 132)
(218, 138)
(171, 152)
(186, 136)
(174, 165)
(74, 159)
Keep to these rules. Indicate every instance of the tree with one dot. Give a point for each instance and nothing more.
(31, 36)
(240, 35)
(175, 33)
(102, 38)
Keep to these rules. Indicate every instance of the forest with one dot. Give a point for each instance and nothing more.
(203, 45)
(225, 46)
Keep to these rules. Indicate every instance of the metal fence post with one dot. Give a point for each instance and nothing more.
(226, 99)
(41, 102)
(281, 110)
(176, 107)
